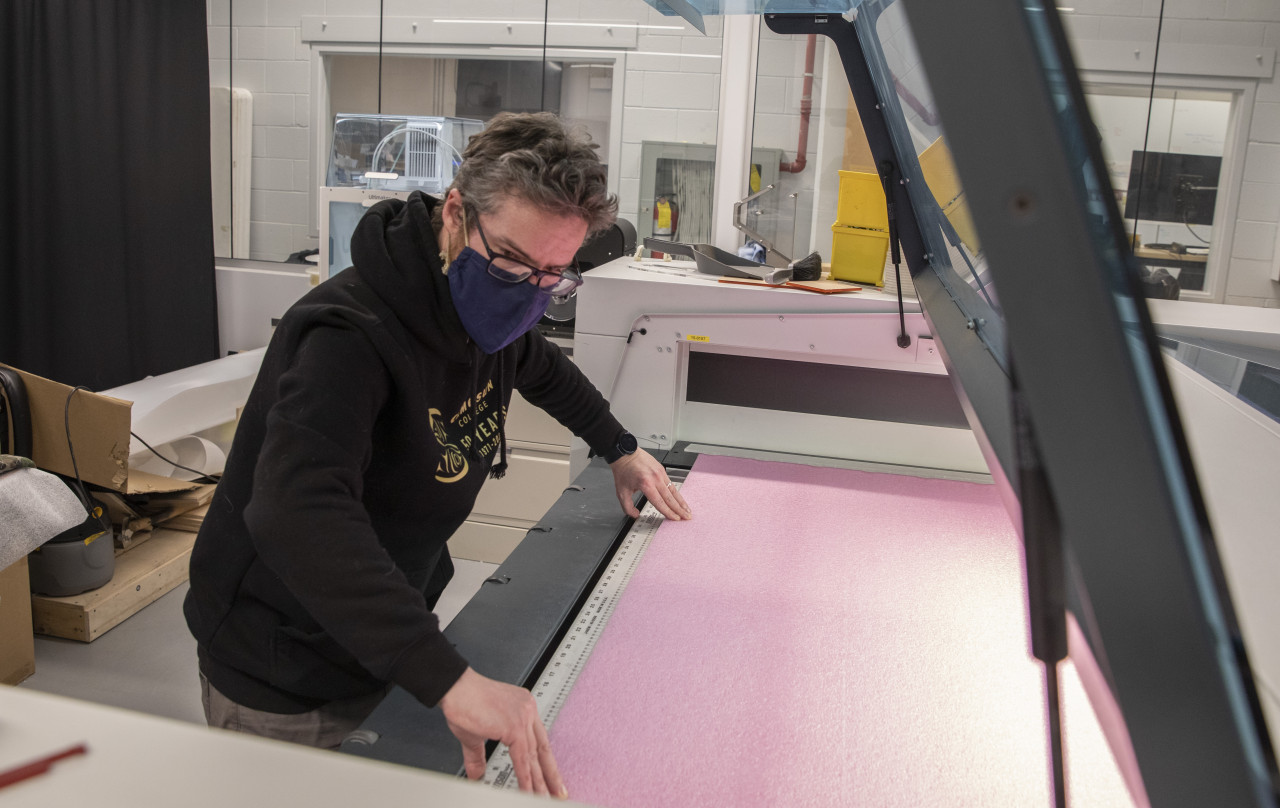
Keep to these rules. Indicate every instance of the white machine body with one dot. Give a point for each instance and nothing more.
(643, 326)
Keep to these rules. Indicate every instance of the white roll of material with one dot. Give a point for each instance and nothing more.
(191, 451)
(37, 506)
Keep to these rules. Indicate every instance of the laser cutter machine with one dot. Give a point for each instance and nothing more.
(1076, 425)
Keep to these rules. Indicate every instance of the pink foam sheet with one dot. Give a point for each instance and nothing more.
(821, 637)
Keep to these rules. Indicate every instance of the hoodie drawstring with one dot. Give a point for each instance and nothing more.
(499, 469)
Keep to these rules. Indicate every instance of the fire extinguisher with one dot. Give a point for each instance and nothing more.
(666, 217)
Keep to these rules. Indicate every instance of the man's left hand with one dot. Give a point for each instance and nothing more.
(641, 472)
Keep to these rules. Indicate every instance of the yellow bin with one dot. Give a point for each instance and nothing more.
(860, 236)
(940, 175)
(858, 253)
(861, 202)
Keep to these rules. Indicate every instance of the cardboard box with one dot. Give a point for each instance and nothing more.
(17, 643)
(99, 433)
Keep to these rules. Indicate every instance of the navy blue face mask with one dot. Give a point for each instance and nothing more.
(494, 313)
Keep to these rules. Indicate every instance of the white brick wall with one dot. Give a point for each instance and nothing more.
(779, 89)
(679, 90)
(268, 59)
(1260, 201)
(667, 97)
(675, 97)
(1252, 255)
(696, 125)
(672, 96)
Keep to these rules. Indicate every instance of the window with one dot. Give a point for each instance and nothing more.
(1164, 155)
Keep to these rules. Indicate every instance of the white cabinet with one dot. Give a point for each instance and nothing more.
(537, 473)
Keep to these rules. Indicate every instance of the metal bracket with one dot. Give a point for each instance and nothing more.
(740, 222)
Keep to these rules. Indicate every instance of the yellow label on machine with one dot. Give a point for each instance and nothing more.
(697, 338)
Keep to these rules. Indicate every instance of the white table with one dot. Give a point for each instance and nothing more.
(138, 761)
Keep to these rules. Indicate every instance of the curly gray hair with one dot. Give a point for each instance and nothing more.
(536, 157)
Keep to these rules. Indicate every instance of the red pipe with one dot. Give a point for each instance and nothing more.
(806, 107)
(927, 115)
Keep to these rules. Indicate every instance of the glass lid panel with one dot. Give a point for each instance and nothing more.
(937, 196)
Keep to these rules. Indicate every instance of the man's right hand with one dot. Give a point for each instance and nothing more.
(480, 709)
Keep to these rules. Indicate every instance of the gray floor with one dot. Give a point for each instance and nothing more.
(148, 662)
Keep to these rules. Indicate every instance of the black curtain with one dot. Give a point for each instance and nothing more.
(106, 236)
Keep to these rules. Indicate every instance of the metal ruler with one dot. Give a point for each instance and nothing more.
(570, 657)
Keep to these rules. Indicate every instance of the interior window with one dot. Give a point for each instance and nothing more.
(1164, 156)
(801, 139)
(627, 73)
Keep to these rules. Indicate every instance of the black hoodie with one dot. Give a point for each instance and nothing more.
(365, 440)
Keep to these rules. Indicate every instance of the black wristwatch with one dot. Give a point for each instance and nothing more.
(625, 445)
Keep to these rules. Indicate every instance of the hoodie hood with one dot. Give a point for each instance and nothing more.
(396, 249)
(398, 255)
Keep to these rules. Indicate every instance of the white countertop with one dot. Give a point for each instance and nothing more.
(139, 761)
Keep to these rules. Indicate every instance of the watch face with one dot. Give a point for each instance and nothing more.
(627, 443)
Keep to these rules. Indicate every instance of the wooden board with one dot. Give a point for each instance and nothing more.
(1168, 255)
(142, 575)
(189, 521)
(825, 287)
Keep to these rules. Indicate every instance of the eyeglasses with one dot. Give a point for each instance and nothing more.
(557, 282)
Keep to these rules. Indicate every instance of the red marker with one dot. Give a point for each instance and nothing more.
(39, 766)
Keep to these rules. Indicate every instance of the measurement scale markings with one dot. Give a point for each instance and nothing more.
(553, 686)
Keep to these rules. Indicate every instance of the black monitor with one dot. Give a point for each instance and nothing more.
(1169, 187)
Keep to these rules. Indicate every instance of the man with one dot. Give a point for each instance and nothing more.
(376, 416)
